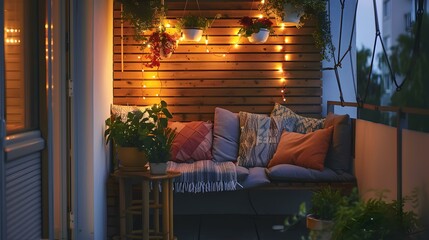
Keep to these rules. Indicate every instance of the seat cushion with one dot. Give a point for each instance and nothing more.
(257, 177)
(226, 135)
(293, 173)
(242, 173)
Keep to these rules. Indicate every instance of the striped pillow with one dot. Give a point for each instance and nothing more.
(193, 141)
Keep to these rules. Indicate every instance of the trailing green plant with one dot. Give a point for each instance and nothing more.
(192, 21)
(374, 219)
(250, 26)
(312, 9)
(143, 15)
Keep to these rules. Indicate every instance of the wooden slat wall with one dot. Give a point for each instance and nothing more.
(194, 82)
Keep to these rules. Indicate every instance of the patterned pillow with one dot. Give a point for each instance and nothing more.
(259, 137)
(122, 110)
(302, 124)
(193, 141)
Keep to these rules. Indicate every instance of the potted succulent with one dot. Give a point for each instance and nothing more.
(256, 30)
(161, 45)
(192, 27)
(304, 9)
(157, 137)
(125, 136)
(143, 15)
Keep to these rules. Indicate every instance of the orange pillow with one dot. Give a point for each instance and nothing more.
(304, 150)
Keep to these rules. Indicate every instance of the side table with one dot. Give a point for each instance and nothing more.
(143, 207)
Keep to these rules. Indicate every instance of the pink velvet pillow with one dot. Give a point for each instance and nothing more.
(193, 141)
(304, 150)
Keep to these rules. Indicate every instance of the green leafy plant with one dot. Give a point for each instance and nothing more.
(193, 21)
(157, 137)
(374, 219)
(148, 131)
(125, 133)
(312, 9)
(250, 26)
(326, 202)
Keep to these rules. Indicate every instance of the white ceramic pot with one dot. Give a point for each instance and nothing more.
(158, 168)
(259, 37)
(292, 14)
(192, 34)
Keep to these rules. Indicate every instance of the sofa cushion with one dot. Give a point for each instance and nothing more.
(257, 177)
(123, 110)
(302, 124)
(305, 150)
(257, 143)
(226, 135)
(293, 173)
(193, 141)
(242, 173)
(339, 153)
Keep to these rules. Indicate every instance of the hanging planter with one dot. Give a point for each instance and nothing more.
(292, 14)
(259, 37)
(192, 27)
(257, 31)
(161, 46)
(192, 34)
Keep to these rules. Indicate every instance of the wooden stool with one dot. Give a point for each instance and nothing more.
(127, 208)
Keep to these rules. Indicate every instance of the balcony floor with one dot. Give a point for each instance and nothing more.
(234, 227)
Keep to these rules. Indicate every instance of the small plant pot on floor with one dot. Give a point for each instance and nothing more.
(320, 229)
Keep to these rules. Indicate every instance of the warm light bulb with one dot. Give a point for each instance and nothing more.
(207, 50)
(279, 47)
(286, 57)
(224, 55)
(282, 91)
(286, 40)
(144, 86)
(283, 26)
(157, 94)
(148, 45)
(144, 98)
(284, 99)
(260, 16)
(153, 76)
(282, 80)
(262, 1)
(280, 69)
(236, 45)
(167, 25)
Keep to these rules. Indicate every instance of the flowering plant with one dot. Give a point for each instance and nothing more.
(250, 26)
(161, 45)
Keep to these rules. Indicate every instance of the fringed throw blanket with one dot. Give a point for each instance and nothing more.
(204, 176)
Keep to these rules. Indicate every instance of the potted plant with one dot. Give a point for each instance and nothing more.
(192, 27)
(325, 204)
(305, 9)
(161, 45)
(374, 219)
(143, 15)
(125, 136)
(157, 137)
(257, 30)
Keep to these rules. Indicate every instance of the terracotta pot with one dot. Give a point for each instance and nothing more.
(259, 37)
(158, 168)
(131, 159)
(192, 34)
(320, 229)
(291, 14)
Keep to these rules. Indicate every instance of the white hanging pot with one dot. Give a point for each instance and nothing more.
(292, 14)
(259, 37)
(192, 34)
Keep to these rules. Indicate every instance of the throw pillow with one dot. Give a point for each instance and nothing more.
(258, 139)
(122, 110)
(226, 135)
(193, 141)
(339, 153)
(304, 150)
(302, 124)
